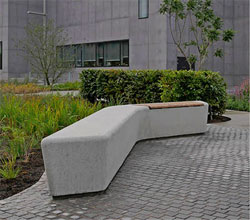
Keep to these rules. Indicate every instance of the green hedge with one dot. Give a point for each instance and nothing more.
(148, 86)
(122, 86)
(195, 85)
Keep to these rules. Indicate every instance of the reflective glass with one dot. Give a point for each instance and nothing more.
(113, 54)
(89, 56)
(143, 8)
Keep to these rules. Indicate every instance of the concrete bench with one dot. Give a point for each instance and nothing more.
(85, 156)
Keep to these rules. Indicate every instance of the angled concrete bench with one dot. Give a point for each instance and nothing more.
(85, 156)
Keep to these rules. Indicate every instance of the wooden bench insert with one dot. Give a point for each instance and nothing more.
(172, 104)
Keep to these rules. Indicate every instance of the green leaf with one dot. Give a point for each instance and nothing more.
(219, 53)
(228, 35)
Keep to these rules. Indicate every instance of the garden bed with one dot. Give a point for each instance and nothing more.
(32, 88)
(24, 122)
(32, 170)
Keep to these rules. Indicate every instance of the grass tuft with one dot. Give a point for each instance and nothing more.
(8, 169)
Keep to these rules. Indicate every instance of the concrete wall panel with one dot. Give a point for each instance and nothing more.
(157, 56)
(139, 56)
(4, 38)
(123, 8)
(151, 44)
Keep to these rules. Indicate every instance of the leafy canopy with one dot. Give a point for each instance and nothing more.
(197, 17)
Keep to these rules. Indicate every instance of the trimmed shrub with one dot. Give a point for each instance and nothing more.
(121, 86)
(206, 86)
(149, 86)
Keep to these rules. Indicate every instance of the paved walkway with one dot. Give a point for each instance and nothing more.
(193, 177)
(239, 119)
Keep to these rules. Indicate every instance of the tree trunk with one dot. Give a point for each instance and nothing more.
(47, 80)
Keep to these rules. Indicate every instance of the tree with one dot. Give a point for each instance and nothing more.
(205, 26)
(40, 48)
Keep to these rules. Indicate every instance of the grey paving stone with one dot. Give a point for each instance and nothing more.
(12, 218)
(74, 217)
(208, 217)
(51, 216)
(193, 177)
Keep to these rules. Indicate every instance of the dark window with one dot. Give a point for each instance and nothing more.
(143, 8)
(59, 52)
(100, 54)
(89, 55)
(1, 55)
(107, 54)
(182, 64)
(78, 56)
(125, 53)
(113, 54)
(59, 56)
(69, 56)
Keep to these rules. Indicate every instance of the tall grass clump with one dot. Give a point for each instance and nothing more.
(25, 120)
(9, 170)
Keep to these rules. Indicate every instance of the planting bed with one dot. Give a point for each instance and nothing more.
(31, 172)
(219, 119)
(24, 121)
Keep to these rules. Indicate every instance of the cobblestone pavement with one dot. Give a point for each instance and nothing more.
(193, 177)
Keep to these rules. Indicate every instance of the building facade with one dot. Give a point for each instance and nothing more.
(129, 34)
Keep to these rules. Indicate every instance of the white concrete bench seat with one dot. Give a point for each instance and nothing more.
(85, 156)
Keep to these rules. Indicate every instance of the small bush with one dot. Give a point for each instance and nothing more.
(240, 99)
(234, 103)
(145, 86)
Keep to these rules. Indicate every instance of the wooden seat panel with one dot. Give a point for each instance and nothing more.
(172, 104)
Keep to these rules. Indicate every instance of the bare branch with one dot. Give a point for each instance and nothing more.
(41, 51)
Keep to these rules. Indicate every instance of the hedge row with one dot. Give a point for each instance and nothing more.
(148, 86)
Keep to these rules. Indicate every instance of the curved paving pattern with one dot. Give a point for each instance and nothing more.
(194, 177)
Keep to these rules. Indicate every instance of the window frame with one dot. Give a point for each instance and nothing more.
(69, 52)
(106, 54)
(83, 55)
(98, 53)
(139, 11)
(76, 63)
(78, 48)
(122, 52)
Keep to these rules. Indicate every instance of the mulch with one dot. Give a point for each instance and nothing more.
(219, 119)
